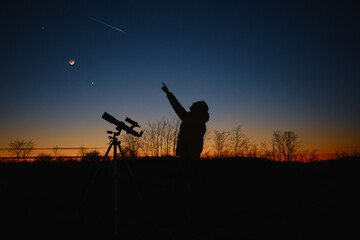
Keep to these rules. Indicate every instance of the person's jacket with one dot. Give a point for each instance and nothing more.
(192, 130)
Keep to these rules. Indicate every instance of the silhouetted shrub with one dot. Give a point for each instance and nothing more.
(93, 156)
(43, 157)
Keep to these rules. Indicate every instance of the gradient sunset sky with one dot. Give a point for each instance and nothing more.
(266, 65)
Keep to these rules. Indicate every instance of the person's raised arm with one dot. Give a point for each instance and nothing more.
(178, 108)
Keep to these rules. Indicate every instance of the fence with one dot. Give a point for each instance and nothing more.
(49, 154)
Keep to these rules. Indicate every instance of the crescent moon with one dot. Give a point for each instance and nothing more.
(71, 62)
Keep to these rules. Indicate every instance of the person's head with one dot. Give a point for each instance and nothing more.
(199, 106)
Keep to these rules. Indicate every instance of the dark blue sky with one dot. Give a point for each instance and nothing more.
(266, 65)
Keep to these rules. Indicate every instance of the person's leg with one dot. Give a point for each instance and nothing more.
(201, 199)
(198, 217)
(182, 192)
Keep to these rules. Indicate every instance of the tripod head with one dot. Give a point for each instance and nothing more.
(122, 126)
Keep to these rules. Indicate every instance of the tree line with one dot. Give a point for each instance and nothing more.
(160, 139)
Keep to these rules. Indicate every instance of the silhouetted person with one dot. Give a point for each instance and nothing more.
(192, 127)
(189, 147)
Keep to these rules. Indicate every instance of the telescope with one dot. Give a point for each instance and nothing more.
(115, 143)
(122, 126)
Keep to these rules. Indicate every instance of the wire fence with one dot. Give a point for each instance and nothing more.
(52, 149)
(49, 154)
(56, 154)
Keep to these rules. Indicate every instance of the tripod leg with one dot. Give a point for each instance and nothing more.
(125, 160)
(103, 160)
(130, 171)
(96, 174)
(116, 189)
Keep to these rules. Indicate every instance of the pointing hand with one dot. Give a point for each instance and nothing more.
(165, 89)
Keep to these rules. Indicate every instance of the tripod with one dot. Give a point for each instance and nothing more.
(115, 143)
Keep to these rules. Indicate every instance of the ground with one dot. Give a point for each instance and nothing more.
(246, 198)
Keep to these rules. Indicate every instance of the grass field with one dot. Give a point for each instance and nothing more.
(246, 198)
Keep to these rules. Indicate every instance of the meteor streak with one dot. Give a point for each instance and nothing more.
(108, 25)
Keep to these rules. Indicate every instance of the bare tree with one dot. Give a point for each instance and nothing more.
(206, 153)
(152, 138)
(160, 137)
(301, 155)
(56, 151)
(21, 148)
(82, 152)
(266, 153)
(164, 131)
(253, 151)
(313, 156)
(220, 142)
(146, 142)
(286, 146)
(57, 154)
(239, 142)
(175, 125)
(170, 130)
(355, 152)
(342, 154)
(133, 145)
